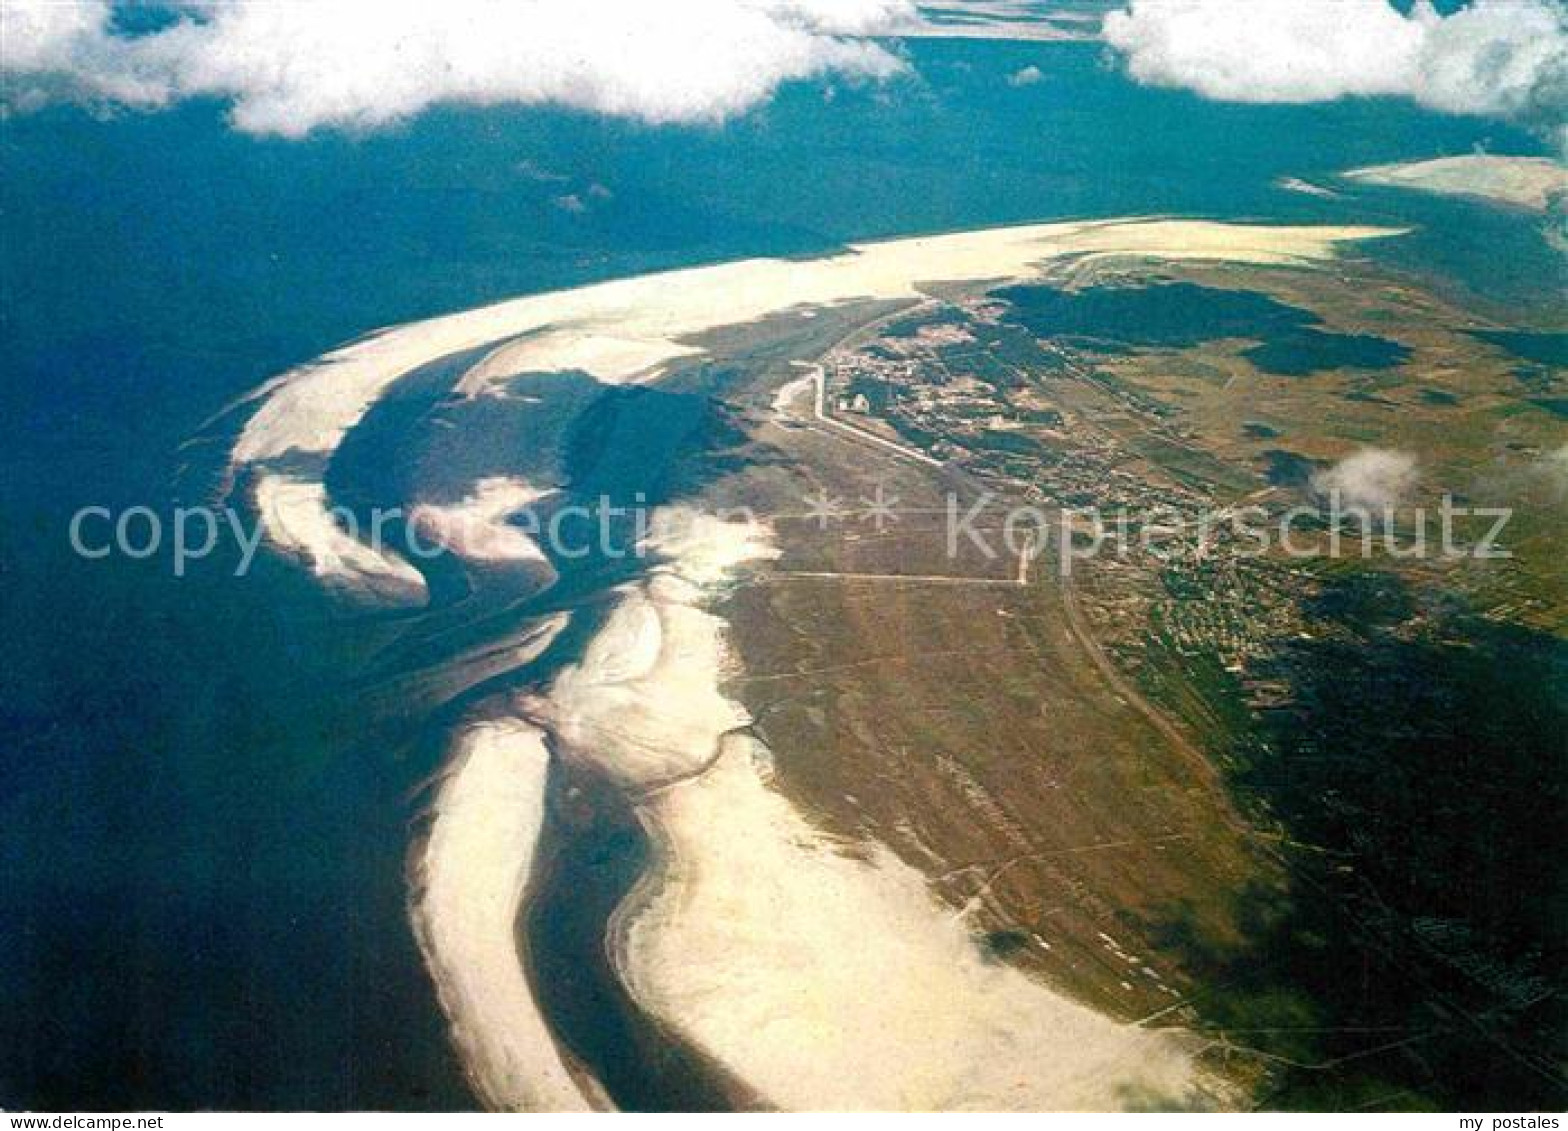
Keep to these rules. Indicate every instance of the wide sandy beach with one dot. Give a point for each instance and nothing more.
(753, 936)
(632, 329)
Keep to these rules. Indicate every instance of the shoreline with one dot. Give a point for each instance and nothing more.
(901, 1008)
(1534, 184)
(593, 853)
(751, 934)
(296, 514)
(470, 879)
(644, 708)
(631, 330)
(627, 328)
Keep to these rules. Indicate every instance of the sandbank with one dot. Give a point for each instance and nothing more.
(475, 527)
(471, 878)
(820, 975)
(299, 521)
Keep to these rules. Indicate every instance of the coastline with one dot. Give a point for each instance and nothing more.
(901, 1007)
(632, 329)
(469, 883)
(892, 993)
(626, 328)
(696, 944)
(297, 516)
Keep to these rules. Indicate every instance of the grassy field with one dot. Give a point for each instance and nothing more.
(1238, 794)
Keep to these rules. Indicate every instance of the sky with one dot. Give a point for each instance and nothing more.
(290, 69)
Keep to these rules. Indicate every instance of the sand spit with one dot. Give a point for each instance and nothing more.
(632, 329)
(643, 705)
(819, 978)
(855, 988)
(827, 981)
(644, 701)
(1296, 184)
(1523, 182)
(627, 328)
(475, 527)
(470, 882)
(299, 521)
(1015, 20)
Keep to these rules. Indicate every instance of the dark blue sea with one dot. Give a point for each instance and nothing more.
(205, 805)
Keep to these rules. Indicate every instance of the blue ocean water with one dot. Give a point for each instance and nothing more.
(203, 814)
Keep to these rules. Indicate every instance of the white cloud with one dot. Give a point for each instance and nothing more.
(1554, 467)
(1497, 57)
(1373, 478)
(288, 68)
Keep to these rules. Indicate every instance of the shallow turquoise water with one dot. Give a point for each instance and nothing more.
(204, 808)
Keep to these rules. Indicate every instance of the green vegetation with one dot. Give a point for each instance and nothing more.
(1112, 319)
(1416, 772)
